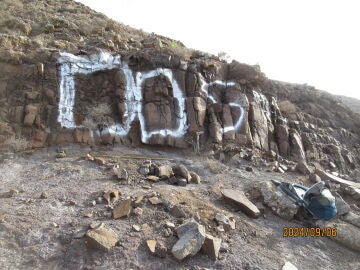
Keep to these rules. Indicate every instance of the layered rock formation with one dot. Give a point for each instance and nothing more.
(61, 84)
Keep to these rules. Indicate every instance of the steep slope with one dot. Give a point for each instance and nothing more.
(69, 74)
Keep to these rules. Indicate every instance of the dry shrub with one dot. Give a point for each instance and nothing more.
(17, 143)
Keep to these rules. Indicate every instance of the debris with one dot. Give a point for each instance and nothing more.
(170, 224)
(112, 196)
(89, 157)
(93, 203)
(138, 211)
(289, 266)
(43, 195)
(249, 169)
(151, 244)
(182, 171)
(160, 250)
(136, 228)
(101, 238)
(155, 200)
(55, 225)
(100, 161)
(88, 215)
(121, 174)
(138, 201)
(211, 246)
(123, 209)
(152, 178)
(227, 223)
(191, 238)
(240, 200)
(9, 194)
(164, 171)
(195, 178)
(302, 167)
(99, 200)
(177, 212)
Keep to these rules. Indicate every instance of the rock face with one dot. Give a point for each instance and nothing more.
(151, 94)
(191, 238)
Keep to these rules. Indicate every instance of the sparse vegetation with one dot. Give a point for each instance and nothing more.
(16, 143)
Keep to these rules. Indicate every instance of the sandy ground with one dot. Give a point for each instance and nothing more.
(45, 233)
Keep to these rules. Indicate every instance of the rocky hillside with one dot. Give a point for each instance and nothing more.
(352, 103)
(69, 74)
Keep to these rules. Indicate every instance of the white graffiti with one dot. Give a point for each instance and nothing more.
(71, 65)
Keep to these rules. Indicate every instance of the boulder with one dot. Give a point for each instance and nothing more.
(282, 137)
(241, 201)
(30, 114)
(191, 238)
(227, 223)
(182, 171)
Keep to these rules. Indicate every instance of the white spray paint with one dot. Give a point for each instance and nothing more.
(71, 65)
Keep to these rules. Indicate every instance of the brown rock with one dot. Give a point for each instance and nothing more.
(177, 212)
(297, 149)
(101, 238)
(314, 178)
(30, 114)
(123, 209)
(240, 200)
(211, 246)
(182, 171)
(155, 200)
(152, 178)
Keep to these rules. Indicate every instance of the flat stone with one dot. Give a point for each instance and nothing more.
(169, 224)
(191, 238)
(211, 246)
(88, 215)
(136, 228)
(151, 244)
(327, 176)
(152, 178)
(101, 238)
(123, 209)
(9, 194)
(155, 200)
(240, 199)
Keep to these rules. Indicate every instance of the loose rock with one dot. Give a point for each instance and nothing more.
(123, 209)
(302, 167)
(195, 178)
(191, 238)
(211, 246)
(240, 200)
(101, 238)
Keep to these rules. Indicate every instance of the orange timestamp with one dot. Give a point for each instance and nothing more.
(309, 232)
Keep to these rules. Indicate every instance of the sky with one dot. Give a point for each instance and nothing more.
(315, 42)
